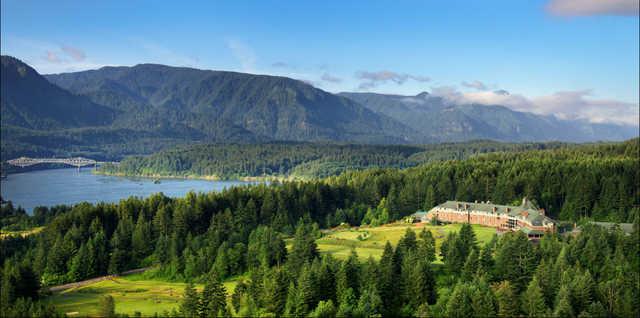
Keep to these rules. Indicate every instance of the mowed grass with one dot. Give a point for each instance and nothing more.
(372, 240)
(131, 293)
(24, 233)
(148, 296)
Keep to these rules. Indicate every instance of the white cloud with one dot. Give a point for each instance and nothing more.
(563, 104)
(475, 84)
(52, 57)
(593, 7)
(75, 53)
(46, 57)
(373, 79)
(244, 54)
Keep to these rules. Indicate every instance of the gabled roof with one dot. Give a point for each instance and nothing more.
(526, 210)
(419, 214)
(529, 231)
(625, 227)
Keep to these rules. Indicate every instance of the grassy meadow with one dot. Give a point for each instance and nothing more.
(371, 241)
(140, 293)
(131, 293)
(23, 233)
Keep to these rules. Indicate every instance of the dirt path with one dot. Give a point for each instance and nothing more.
(95, 280)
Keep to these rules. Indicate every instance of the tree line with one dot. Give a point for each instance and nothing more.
(315, 160)
(208, 237)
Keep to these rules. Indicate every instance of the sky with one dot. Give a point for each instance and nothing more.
(574, 59)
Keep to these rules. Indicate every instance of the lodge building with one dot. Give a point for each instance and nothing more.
(526, 218)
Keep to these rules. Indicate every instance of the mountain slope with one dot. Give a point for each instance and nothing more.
(436, 119)
(161, 97)
(28, 100)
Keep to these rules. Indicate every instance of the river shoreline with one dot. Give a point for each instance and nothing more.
(270, 178)
(53, 187)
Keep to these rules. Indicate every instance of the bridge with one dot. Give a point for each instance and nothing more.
(76, 162)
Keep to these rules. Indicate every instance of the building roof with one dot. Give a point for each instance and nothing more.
(529, 231)
(526, 210)
(625, 227)
(419, 214)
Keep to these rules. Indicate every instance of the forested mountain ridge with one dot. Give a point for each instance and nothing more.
(28, 100)
(437, 119)
(279, 108)
(116, 111)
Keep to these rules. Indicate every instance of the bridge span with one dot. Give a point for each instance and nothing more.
(76, 162)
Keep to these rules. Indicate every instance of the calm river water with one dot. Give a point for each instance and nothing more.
(68, 186)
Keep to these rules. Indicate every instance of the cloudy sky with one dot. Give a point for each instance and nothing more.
(569, 58)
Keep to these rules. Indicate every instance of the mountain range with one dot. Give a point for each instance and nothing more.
(436, 119)
(116, 111)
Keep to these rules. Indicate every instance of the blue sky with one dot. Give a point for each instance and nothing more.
(569, 58)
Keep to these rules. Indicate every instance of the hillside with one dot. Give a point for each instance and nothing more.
(437, 119)
(297, 159)
(113, 112)
(28, 100)
(158, 97)
(117, 111)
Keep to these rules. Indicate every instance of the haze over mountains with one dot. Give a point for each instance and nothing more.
(436, 119)
(114, 111)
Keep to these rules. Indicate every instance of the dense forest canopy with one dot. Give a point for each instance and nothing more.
(208, 237)
(301, 159)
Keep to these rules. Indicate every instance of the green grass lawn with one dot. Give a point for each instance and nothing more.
(147, 295)
(24, 233)
(340, 242)
(131, 293)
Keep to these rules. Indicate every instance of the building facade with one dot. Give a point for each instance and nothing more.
(526, 217)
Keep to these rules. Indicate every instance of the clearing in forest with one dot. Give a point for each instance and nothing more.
(131, 293)
(370, 241)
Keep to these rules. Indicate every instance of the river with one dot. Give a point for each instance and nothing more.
(68, 186)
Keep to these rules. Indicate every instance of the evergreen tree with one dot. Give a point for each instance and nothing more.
(369, 303)
(304, 248)
(460, 301)
(470, 266)
(325, 309)
(307, 290)
(141, 240)
(79, 269)
(581, 291)
(222, 264)
(563, 304)
(486, 262)
(348, 303)
(533, 301)
(483, 300)
(275, 291)
(348, 275)
(189, 306)
(214, 297)
(507, 300)
(423, 284)
(107, 306)
(388, 281)
(427, 246)
(430, 199)
(294, 302)
(515, 260)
